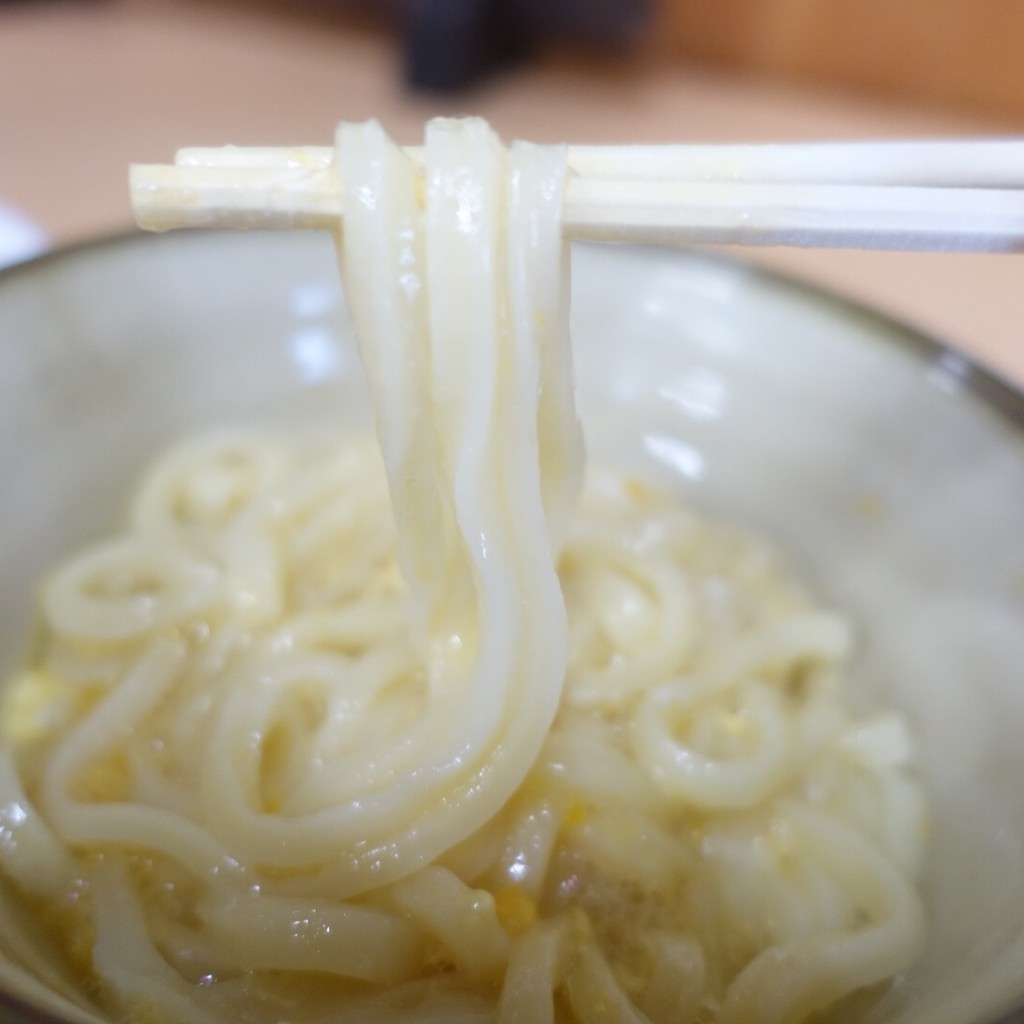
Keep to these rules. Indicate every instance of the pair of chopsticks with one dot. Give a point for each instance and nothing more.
(941, 196)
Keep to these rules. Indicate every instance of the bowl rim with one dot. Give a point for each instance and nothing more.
(978, 381)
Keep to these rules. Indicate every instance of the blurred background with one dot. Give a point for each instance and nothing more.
(87, 86)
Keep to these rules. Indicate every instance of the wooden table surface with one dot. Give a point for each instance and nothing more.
(87, 87)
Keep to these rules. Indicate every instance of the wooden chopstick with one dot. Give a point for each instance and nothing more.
(936, 163)
(946, 195)
(981, 163)
(819, 216)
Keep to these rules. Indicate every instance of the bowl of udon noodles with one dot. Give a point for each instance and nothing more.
(339, 684)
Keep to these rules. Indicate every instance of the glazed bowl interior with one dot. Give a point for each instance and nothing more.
(888, 468)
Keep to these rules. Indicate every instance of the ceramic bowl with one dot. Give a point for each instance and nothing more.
(889, 468)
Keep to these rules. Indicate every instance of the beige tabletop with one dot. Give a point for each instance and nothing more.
(87, 87)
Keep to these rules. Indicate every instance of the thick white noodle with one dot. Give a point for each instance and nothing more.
(456, 400)
(33, 856)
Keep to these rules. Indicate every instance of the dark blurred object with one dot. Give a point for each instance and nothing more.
(450, 44)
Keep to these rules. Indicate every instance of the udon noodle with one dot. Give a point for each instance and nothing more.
(432, 731)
